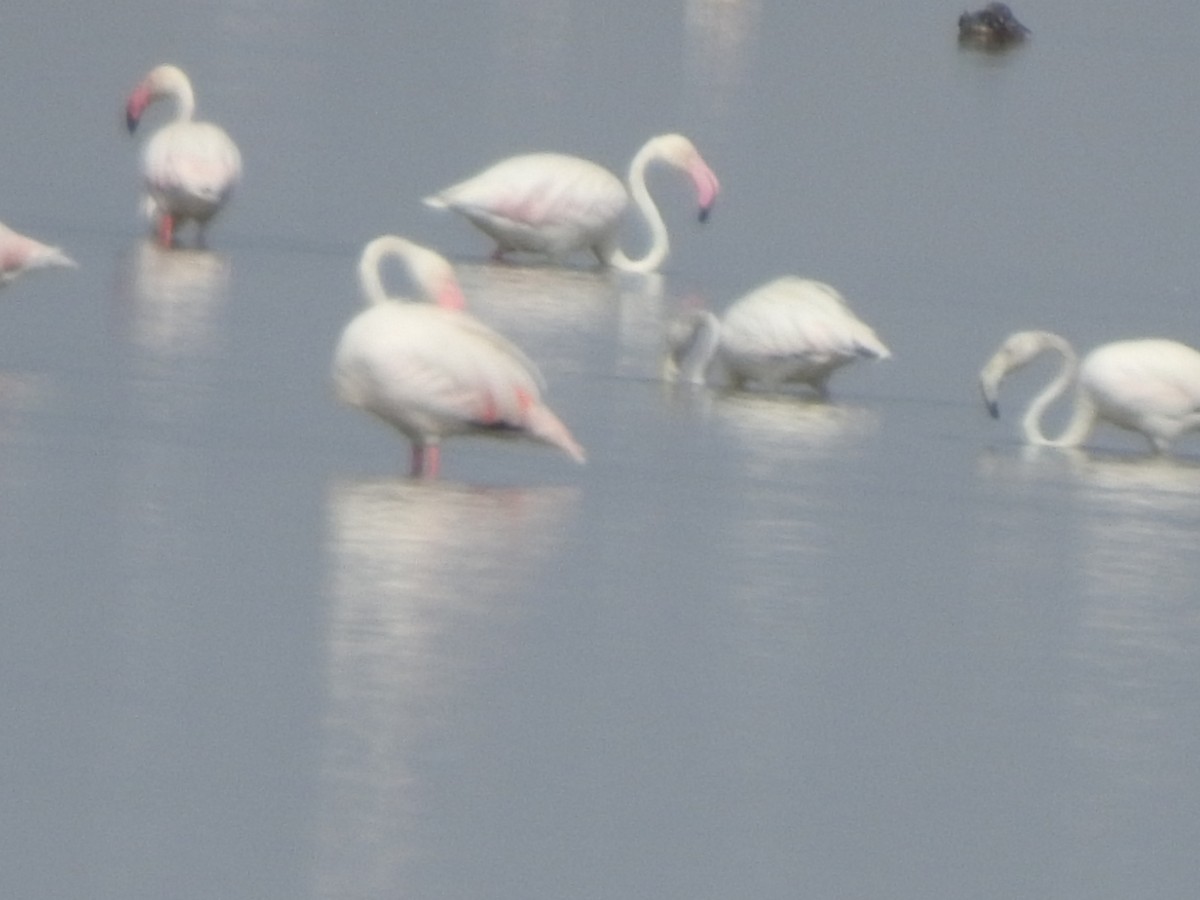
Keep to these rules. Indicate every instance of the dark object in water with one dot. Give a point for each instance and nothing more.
(992, 27)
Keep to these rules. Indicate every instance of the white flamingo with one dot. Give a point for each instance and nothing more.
(789, 330)
(1151, 386)
(20, 254)
(189, 168)
(435, 371)
(554, 204)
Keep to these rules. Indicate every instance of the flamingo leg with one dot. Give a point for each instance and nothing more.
(426, 461)
(166, 229)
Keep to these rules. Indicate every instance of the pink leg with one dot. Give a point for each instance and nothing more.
(166, 229)
(426, 460)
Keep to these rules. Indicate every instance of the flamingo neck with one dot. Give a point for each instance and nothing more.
(369, 278)
(429, 272)
(693, 349)
(659, 242)
(1084, 413)
(185, 101)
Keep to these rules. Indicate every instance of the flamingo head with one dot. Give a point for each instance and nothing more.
(161, 81)
(691, 342)
(450, 295)
(678, 151)
(435, 276)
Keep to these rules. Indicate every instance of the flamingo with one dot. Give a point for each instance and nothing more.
(1151, 386)
(554, 204)
(189, 167)
(435, 371)
(20, 254)
(788, 330)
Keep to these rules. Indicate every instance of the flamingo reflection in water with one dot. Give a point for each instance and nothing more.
(429, 588)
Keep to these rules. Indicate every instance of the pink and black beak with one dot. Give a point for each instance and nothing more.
(138, 101)
(707, 188)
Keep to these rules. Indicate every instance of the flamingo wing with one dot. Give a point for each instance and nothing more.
(541, 192)
(20, 253)
(438, 370)
(192, 161)
(1153, 376)
(793, 317)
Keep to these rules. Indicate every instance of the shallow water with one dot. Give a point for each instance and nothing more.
(758, 645)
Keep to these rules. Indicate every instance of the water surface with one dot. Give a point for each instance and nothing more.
(758, 646)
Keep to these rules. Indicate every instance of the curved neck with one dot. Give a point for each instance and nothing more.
(433, 276)
(659, 243)
(170, 82)
(369, 278)
(185, 102)
(1083, 415)
(693, 344)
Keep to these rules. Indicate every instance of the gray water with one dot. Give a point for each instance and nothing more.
(758, 646)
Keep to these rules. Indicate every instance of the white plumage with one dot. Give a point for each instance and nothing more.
(789, 330)
(1151, 386)
(189, 168)
(435, 371)
(553, 204)
(20, 254)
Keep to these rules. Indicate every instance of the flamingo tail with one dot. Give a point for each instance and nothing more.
(547, 427)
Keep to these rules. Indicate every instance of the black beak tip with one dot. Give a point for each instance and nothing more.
(993, 409)
(705, 211)
(131, 122)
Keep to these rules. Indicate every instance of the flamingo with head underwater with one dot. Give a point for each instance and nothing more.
(790, 330)
(554, 204)
(1151, 386)
(432, 370)
(189, 168)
